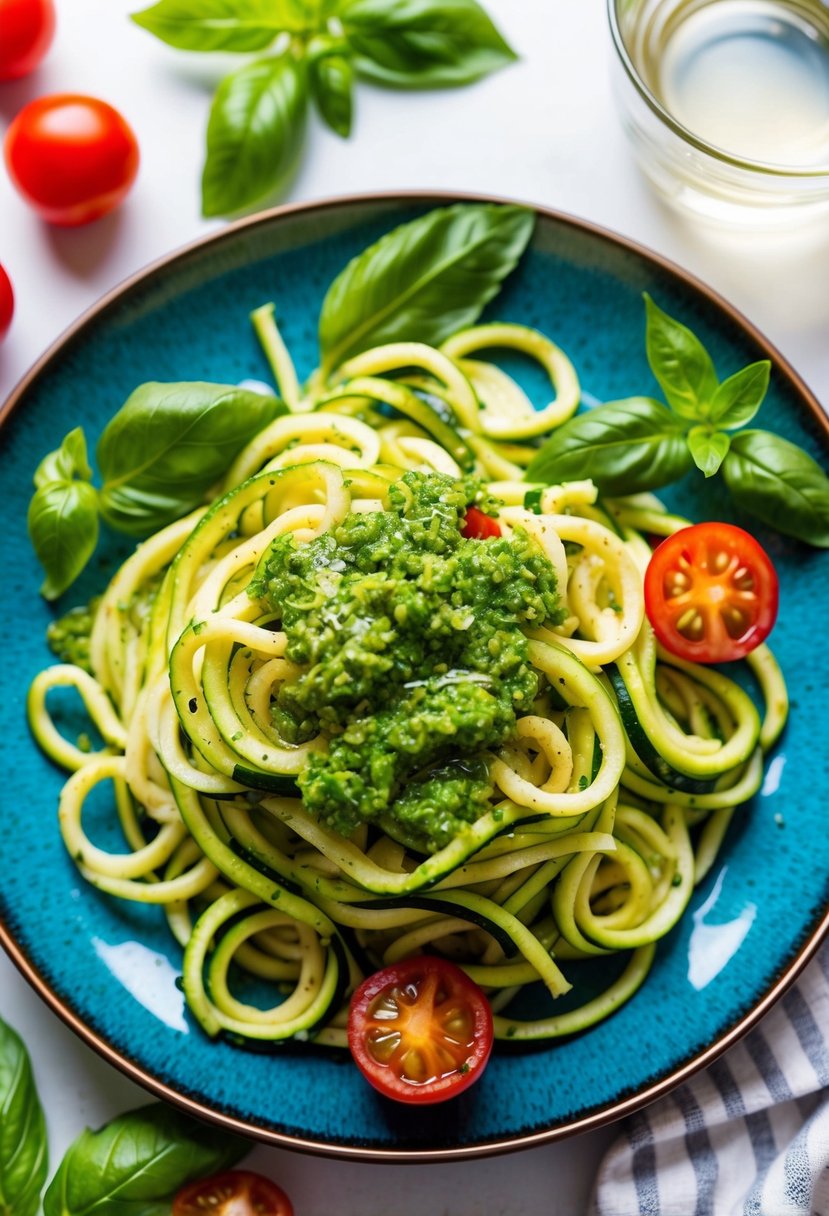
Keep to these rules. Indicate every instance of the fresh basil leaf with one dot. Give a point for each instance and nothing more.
(708, 448)
(134, 1165)
(738, 398)
(24, 1154)
(63, 529)
(169, 444)
(680, 363)
(418, 44)
(779, 483)
(221, 25)
(624, 446)
(331, 78)
(254, 133)
(66, 462)
(424, 280)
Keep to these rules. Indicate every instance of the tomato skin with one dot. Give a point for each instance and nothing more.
(6, 303)
(232, 1193)
(440, 1016)
(711, 593)
(479, 526)
(26, 31)
(73, 158)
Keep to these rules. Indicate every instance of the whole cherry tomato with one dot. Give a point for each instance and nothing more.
(711, 593)
(26, 31)
(420, 1030)
(73, 158)
(6, 303)
(234, 1193)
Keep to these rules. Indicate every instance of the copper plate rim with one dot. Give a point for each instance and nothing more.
(612, 1111)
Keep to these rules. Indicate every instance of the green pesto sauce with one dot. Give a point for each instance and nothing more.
(413, 656)
(68, 637)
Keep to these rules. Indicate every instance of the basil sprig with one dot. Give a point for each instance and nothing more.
(630, 446)
(315, 50)
(159, 457)
(24, 1157)
(134, 1165)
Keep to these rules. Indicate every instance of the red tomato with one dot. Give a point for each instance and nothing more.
(478, 526)
(73, 158)
(26, 31)
(6, 303)
(711, 593)
(234, 1193)
(420, 1030)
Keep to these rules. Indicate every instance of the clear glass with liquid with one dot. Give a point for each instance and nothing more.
(727, 102)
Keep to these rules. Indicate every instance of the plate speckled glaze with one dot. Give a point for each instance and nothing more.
(110, 969)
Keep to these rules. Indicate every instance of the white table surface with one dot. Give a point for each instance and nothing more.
(544, 131)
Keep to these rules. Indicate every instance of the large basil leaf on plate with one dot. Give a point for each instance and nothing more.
(254, 133)
(134, 1165)
(424, 280)
(423, 43)
(221, 25)
(23, 1145)
(169, 444)
(780, 484)
(624, 446)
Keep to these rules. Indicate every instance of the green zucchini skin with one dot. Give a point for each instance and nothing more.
(643, 747)
(275, 783)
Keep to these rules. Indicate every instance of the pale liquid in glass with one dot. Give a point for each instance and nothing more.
(748, 76)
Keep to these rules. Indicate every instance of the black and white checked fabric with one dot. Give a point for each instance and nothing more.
(747, 1137)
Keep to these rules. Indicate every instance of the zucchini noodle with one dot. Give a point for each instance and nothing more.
(608, 800)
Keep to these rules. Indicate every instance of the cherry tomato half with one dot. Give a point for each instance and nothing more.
(478, 526)
(711, 593)
(26, 31)
(420, 1030)
(6, 303)
(73, 158)
(234, 1193)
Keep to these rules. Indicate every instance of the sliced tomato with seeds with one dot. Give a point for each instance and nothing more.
(711, 593)
(477, 525)
(233, 1193)
(420, 1031)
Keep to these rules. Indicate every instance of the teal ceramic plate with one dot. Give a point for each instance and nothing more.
(110, 969)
